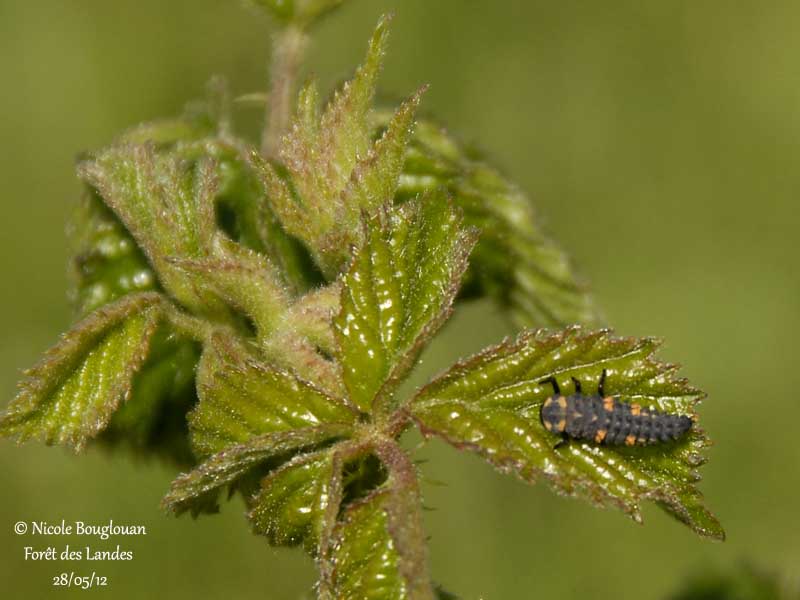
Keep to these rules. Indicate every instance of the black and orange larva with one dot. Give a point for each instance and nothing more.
(607, 420)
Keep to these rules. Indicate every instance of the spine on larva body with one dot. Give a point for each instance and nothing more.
(612, 422)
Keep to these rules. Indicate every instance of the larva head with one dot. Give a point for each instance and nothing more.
(554, 414)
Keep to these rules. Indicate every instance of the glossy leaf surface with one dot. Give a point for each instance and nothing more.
(397, 292)
(291, 505)
(490, 404)
(242, 398)
(377, 547)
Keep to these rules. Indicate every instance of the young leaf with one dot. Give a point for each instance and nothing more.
(225, 467)
(397, 292)
(243, 214)
(333, 170)
(107, 265)
(375, 177)
(490, 404)
(250, 412)
(166, 204)
(241, 399)
(293, 499)
(69, 397)
(514, 262)
(377, 547)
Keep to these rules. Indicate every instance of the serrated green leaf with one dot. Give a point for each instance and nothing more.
(167, 204)
(375, 177)
(490, 404)
(241, 398)
(514, 262)
(332, 169)
(225, 467)
(69, 397)
(377, 548)
(107, 265)
(365, 560)
(243, 213)
(290, 507)
(396, 294)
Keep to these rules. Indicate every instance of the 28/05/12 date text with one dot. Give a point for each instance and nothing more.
(78, 581)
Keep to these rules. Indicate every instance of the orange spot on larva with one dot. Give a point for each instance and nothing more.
(630, 440)
(600, 436)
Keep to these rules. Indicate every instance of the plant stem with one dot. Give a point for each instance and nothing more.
(405, 519)
(287, 54)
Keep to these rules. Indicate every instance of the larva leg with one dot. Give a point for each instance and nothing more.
(552, 380)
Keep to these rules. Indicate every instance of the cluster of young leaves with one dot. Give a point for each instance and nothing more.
(307, 282)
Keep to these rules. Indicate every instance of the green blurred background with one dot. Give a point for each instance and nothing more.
(660, 140)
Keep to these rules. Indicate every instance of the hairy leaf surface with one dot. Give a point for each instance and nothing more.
(377, 547)
(242, 398)
(243, 213)
(490, 404)
(243, 278)
(166, 204)
(514, 262)
(225, 467)
(291, 505)
(397, 292)
(69, 397)
(330, 168)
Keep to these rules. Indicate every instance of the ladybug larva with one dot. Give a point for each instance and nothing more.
(607, 420)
